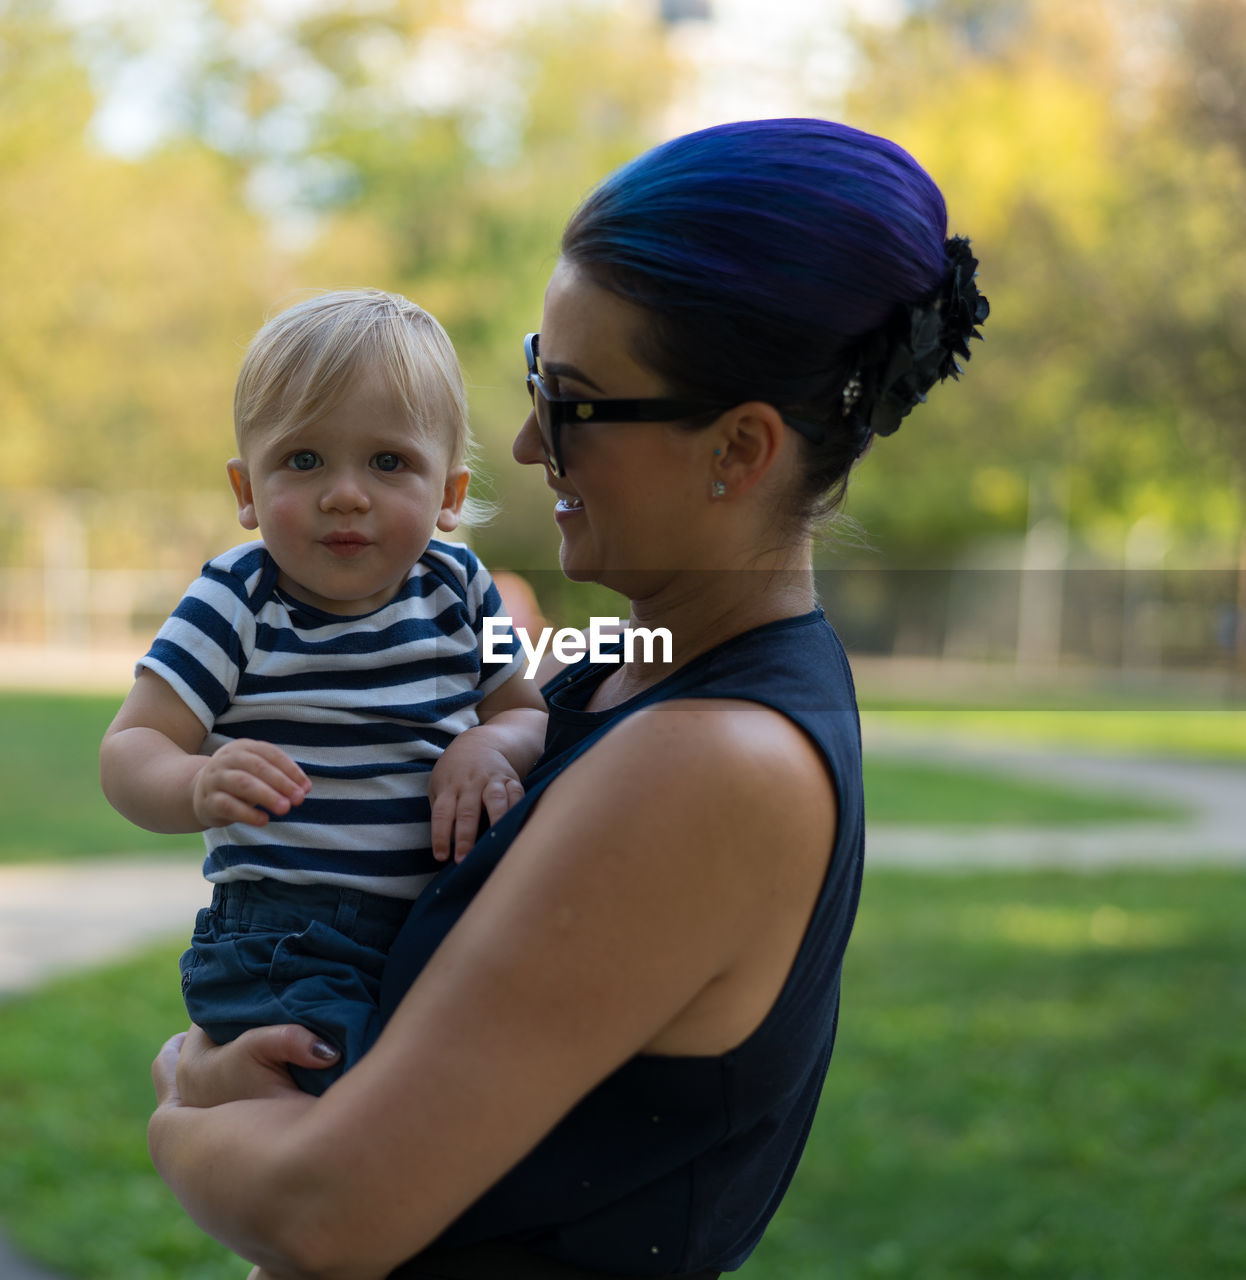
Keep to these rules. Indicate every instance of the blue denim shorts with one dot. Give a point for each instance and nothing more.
(266, 952)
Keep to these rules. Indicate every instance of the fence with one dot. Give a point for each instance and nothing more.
(91, 570)
(101, 569)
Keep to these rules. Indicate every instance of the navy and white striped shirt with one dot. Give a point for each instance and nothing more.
(365, 705)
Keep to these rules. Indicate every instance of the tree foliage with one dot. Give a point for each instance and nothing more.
(469, 193)
(1096, 155)
(1109, 225)
(127, 287)
(401, 144)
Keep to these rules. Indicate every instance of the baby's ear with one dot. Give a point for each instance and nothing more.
(452, 499)
(240, 483)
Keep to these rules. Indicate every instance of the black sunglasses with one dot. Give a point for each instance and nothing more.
(554, 412)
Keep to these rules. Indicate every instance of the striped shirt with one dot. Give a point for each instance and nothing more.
(365, 705)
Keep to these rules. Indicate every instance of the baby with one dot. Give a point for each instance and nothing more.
(319, 704)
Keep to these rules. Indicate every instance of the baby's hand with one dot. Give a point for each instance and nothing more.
(243, 779)
(471, 774)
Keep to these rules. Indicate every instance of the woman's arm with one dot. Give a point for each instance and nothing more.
(654, 901)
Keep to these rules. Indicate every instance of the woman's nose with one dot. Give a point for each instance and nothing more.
(527, 447)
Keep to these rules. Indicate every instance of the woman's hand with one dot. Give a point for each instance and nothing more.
(192, 1071)
(212, 1100)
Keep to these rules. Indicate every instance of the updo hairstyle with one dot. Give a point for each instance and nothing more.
(779, 261)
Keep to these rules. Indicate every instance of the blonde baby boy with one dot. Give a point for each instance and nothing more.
(319, 704)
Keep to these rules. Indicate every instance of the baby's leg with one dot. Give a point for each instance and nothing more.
(225, 970)
(331, 983)
(269, 953)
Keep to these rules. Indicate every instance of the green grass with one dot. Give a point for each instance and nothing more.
(1038, 1076)
(1215, 734)
(77, 1188)
(898, 791)
(51, 805)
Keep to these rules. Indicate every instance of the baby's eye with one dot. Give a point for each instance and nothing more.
(387, 462)
(304, 460)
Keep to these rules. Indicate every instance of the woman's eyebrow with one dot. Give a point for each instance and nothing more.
(558, 370)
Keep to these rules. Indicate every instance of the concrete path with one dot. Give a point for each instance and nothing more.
(1212, 793)
(73, 915)
(14, 1267)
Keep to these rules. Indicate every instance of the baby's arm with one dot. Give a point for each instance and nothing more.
(484, 765)
(152, 775)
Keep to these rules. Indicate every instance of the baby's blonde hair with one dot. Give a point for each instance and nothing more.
(303, 360)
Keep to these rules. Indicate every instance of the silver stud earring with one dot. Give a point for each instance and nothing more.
(718, 489)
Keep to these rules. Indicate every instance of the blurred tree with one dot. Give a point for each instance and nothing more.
(467, 146)
(419, 145)
(1110, 234)
(1205, 86)
(128, 287)
(1095, 156)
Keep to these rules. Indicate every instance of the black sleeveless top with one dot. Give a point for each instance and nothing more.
(676, 1164)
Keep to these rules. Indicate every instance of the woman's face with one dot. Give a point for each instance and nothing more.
(630, 506)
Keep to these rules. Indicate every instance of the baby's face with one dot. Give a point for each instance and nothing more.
(347, 504)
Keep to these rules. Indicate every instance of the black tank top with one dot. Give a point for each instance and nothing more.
(676, 1164)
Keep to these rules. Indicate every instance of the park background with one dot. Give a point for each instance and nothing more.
(1041, 1072)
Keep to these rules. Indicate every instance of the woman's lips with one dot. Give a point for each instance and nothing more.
(566, 507)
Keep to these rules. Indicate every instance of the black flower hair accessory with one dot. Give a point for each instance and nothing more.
(899, 363)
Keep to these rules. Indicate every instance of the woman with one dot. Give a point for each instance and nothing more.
(604, 1048)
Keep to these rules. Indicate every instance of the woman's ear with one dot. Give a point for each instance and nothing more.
(240, 483)
(748, 439)
(452, 499)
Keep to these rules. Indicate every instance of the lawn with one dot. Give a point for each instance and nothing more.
(51, 805)
(1207, 733)
(920, 793)
(1038, 1076)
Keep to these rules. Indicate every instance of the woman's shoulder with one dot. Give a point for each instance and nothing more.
(731, 751)
(718, 813)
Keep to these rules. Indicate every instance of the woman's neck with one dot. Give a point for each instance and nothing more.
(701, 610)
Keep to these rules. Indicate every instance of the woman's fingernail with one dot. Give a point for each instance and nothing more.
(325, 1052)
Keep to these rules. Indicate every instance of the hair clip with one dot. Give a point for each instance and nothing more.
(851, 393)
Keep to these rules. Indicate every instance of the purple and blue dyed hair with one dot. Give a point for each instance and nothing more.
(765, 252)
